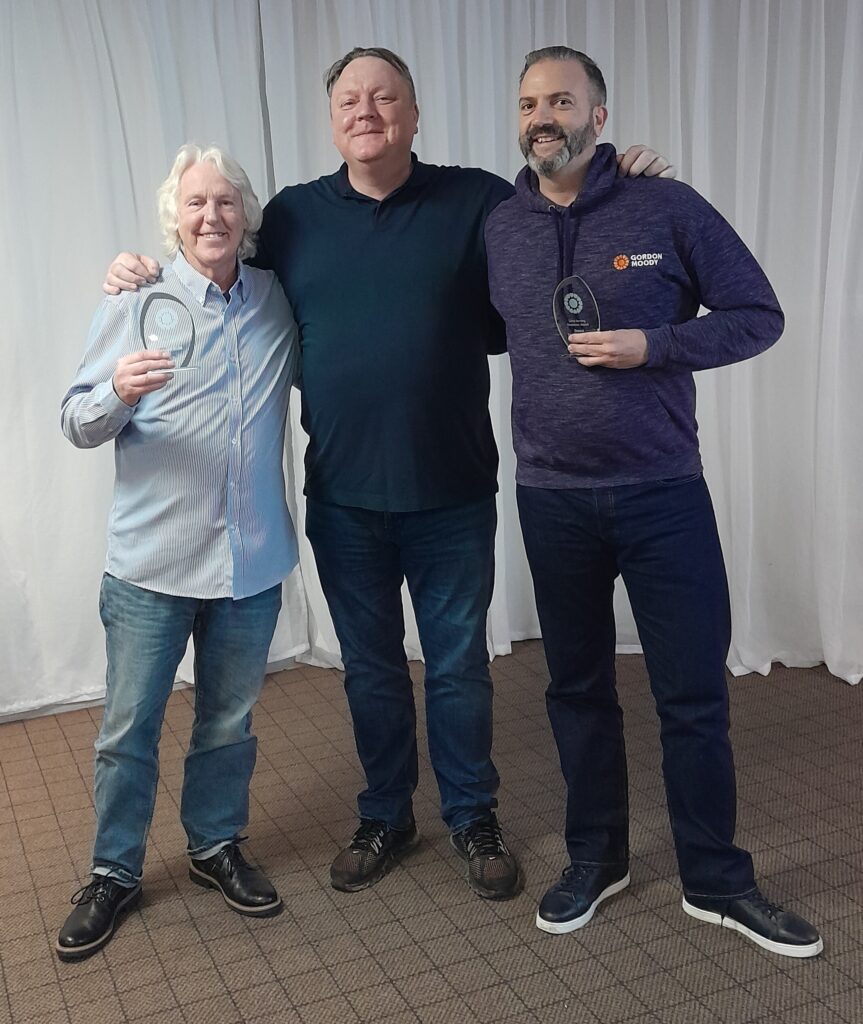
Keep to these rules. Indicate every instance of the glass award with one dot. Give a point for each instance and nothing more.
(165, 323)
(575, 308)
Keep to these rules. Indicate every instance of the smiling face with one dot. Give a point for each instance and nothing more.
(559, 119)
(373, 115)
(211, 222)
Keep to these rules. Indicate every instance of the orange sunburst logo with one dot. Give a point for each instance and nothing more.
(620, 262)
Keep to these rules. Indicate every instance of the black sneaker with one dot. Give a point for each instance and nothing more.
(767, 924)
(374, 849)
(492, 871)
(572, 902)
(91, 925)
(244, 888)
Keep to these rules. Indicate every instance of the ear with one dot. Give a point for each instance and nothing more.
(600, 116)
(416, 118)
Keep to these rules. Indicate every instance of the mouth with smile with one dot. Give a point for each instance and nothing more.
(545, 138)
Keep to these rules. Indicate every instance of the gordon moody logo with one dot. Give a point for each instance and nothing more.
(573, 303)
(636, 259)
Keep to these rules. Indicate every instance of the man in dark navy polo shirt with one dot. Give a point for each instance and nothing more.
(384, 263)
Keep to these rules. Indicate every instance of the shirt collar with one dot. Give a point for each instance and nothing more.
(198, 285)
(419, 173)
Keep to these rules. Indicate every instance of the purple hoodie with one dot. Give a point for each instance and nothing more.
(652, 251)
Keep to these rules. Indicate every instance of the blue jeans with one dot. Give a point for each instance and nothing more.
(662, 539)
(447, 557)
(146, 634)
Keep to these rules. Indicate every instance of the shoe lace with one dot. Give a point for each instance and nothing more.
(232, 858)
(760, 902)
(370, 836)
(97, 890)
(573, 876)
(484, 839)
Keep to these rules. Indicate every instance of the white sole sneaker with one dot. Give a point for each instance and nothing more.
(562, 927)
(782, 948)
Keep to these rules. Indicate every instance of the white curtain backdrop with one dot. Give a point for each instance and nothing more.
(756, 101)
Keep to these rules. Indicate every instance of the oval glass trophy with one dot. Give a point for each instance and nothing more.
(575, 308)
(165, 322)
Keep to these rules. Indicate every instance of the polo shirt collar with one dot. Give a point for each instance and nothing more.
(418, 175)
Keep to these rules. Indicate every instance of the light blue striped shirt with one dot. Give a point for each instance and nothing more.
(199, 494)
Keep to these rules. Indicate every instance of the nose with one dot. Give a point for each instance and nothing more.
(211, 211)
(365, 108)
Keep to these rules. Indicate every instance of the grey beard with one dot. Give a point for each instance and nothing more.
(574, 144)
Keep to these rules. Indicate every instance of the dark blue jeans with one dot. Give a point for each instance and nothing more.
(662, 539)
(146, 636)
(447, 557)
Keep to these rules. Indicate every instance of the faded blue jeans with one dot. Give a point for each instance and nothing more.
(146, 634)
(447, 557)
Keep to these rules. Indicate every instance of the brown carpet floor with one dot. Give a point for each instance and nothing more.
(420, 946)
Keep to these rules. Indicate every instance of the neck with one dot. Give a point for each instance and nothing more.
(223, 276)
(563, 186)
(377, 180)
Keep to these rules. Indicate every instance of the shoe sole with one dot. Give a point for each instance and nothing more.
(562, 927)
(267, 910)
(385, 867)
(782, 948)
(72, 955)
(487, 894)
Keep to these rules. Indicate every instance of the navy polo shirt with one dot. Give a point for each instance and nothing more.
(392, 303)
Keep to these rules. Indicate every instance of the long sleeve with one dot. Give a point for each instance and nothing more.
(745, 317)
(91, 412)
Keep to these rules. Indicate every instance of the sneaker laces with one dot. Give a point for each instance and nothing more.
(97, 891)
(760, 902)
(370, 836)
(573, 876)
(484, 839)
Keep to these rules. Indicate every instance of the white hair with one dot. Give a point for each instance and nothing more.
(169, 193)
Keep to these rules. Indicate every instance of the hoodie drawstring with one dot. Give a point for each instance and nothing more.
(566, 224)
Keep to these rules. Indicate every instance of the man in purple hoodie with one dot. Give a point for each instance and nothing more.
(609, 481)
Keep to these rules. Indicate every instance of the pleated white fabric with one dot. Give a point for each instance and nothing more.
(756, 101)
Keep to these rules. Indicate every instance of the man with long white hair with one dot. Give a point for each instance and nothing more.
(190, 378)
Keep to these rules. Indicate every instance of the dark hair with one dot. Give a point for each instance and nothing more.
(594, 75)
(335, 70)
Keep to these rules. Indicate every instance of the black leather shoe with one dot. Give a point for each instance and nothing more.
(492, 871)
(91, 925)
(758, 919)
(374, 849)
(572, 902)
(244, 888)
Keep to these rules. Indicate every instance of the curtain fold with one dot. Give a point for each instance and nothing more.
(756, 101)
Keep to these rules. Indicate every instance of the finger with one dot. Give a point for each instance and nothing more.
(649, 162)
(625, 162)
(669, 172)
(587, 338)
(594, 360)
(151, 267)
